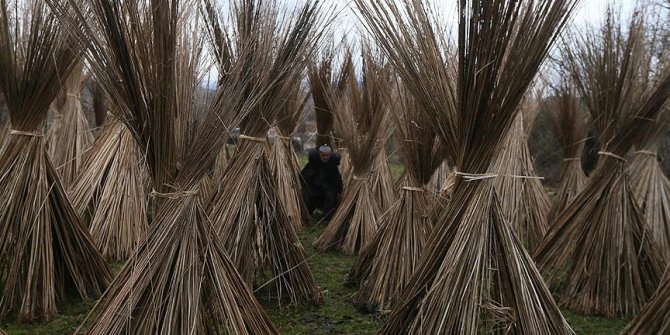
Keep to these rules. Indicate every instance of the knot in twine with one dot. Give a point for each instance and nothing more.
(613, 155)
(285, 138)
(72, 95)
(360, 178)
(24, 133)
(251, 138)
(174, 195)
(468, 177)
(474, 176)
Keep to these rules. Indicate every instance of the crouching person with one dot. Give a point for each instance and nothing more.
(322, 181)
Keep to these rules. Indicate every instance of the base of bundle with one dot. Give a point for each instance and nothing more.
(654, 318)
(286, 170)
(475, 277)
(652, 191)
(179, 281)
(256, 231)
(572, 182)
(355, 221)
(46, 247)
(600, 251)
(386, 264)
(111, 191)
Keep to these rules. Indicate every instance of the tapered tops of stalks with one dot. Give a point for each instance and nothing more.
(569, 124)
(475, 275)
(599, 247)
(386, 263)
(256, 228)
(45, 248)
(363, 118)
(70, 136)
(325, 79)
(179, 280)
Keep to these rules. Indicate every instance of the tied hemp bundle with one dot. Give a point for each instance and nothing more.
(46, 249)
(111, 191)
(524, 202)
(651, 186)
(387, 262)
(325, 80)
(599, 248)
(284, 159)
(569, 124)
(474, 275)
(69, 136)
(255, 227)
(179, 279)
(362, 115)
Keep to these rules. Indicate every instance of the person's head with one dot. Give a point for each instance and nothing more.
(325, 152)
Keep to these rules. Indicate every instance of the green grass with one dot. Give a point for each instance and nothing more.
(595, 325)
(71, 315)
(336, 316)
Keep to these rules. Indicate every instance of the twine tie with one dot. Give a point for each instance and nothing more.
(613, 155)
(174, 195)
(24, 133)
(251, 138)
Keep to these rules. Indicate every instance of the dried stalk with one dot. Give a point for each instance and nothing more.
(111, 191)
(286, 171)
(322, 82)
(209, 296)
(599, 247)
(387, 262)
(69, 136)
(256, 230)
(362, 117)
(524, 202)
(45, 248)
(382, 185)
(179, 280)
(284, 159)
(474, 276)
(570, 127)
(255, 226)
(440, 181)
(345, 163)
(209, 185)
(651, 186)
(654, 318)
(652, 191)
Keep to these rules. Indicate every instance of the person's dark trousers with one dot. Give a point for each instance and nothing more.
(313, 201)
(329, 203)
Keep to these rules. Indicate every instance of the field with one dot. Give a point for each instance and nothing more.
(336, 316)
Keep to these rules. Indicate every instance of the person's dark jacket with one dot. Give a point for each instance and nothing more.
(322, 177)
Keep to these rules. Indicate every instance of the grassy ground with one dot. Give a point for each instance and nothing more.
(336, 316)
